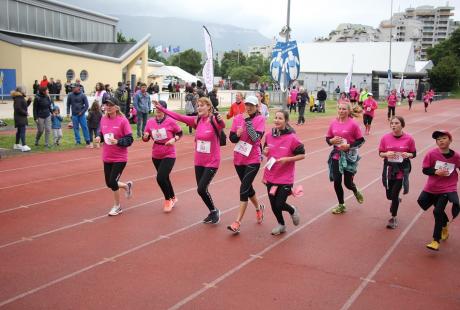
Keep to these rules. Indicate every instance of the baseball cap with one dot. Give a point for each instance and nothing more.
(251, 100)
(111, 101)
(370, 94)
(439, 133)
(163, 104)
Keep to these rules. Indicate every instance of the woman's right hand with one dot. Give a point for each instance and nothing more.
(442, 172)
(336, 140)
(390, 154)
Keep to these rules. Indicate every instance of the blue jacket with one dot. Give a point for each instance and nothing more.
(78, 103)
(56, 121)
(142, 102)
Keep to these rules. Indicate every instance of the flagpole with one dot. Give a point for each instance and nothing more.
(391, 38)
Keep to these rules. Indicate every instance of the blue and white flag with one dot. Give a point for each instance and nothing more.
(285, 64)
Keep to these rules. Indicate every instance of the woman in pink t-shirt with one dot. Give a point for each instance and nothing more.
(392, 99)
(369, 106)
(164, 132)
(282, 148)
(441, 165)
(343, 98)
(397, 148)
(116, 134)
(426, 100)
(247, 132)
(346, 137)
(410, 98)
(208, 128)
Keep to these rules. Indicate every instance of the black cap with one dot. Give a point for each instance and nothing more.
(163, 104)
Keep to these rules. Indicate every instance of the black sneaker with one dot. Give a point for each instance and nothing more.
(215, 216)
(208, 219)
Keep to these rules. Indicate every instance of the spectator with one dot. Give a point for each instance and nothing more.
(56, 125)
(78, 103)
(44, 82)
(68, 87)
(156, 88)
(78, 82)
(190, 104)
(94, 120)
(122, 96)
(58, 90)
(52, 88)
(322, 96)
(302, 103)
(20, 117)
(238, 107)
(150, 89)
(35, 87)
(143, 107)
(213, 98)
(42, 108)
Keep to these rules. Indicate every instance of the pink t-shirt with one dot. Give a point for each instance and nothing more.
(294, 93)
(369, 106)
(392, 100)
(118, 127)
(438, 184)
(162, 133)
(354, 93)
(411, 96)
(426, 98)
(404, 143)
(348, 130)
(281, 146)
(254, 157)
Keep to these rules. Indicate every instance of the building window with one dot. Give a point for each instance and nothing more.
(83, 75)
(70, 74)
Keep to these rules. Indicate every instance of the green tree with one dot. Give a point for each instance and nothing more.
(231, 60)
(445, 75)
(245, 74)
(189, 60)
(260, 64)
(122, 39)
(153, 54)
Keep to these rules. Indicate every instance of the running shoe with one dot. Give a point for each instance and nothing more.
(260, 214)
(235, 227)
(174, 200)
(433, 245)
(339, 209)
(17, 147)
(25, 148)
(215, 216)
(115, 211)
(167, 205)
(129, 191)
(278, 230)
(445, 233)
(359, 197)
(392, 223)
(295, 217)
(208, 219)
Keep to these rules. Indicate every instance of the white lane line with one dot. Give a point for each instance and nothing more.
(379, 265)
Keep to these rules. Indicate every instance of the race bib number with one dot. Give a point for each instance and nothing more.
(159, 134)
(344, 141)
(397, 159)
(243, 148)
(368, 109)
(203, 146)
(108, 137)
(444, 166)
(270, 162)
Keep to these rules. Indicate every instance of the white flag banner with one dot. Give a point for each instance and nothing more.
(159, 48)
(347, 81)
(401, 85)
(208, 69)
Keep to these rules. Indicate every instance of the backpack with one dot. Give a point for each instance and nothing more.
(189, 107)
(222, 136)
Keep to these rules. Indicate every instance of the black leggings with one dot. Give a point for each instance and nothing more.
(292, 107)
(439, 201)
(394, 188)
(21, 135)
(391, 111)
(164, 167)
(348, 178)
(278, 201)
(204, 177)
(112, 172)
(410, 104)
(247, 175)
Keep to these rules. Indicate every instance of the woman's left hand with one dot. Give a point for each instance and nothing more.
(282, 160)
(170, 141)
(219, 117)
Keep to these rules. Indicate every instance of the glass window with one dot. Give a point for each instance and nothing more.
(70, 74)
(83, 75)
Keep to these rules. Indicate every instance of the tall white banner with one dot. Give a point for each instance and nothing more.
(347, 81)
(208, 69)
(401, 85)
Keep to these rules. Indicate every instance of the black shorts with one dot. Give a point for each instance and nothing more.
(367, 119)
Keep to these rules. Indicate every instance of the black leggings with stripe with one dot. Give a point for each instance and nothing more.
(204, 176)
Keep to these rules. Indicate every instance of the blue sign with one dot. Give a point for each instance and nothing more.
(8, 81)
(285, 64)
(390, 77)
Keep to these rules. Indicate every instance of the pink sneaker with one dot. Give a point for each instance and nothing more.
(167, 206)
(174, 200)
(235, 227)
(260, 214)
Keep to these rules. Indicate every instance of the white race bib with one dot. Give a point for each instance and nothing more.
(445, 166)
(270, 162)
(344, 141)
(203, 146)
(397, 159)
(368, 109)
(108, 137)
(243, 148)
(159, 134)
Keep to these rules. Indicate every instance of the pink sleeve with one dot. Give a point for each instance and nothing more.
(148, 126)
(357, 130)
(329, 133)
(188, 120)
(234, 125)
(412, 146)
(427, 161)
(295, 142)
(382, 147)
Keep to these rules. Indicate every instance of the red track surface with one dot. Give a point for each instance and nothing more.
(59, 250)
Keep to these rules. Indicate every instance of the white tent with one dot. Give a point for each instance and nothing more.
(163, 71)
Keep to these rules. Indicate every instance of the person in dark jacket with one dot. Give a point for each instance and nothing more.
(52, 88)
(94, 121)
(78, 102)
(68, 87)
(322, 96)
(20, 118)
(58, 90)
(214, 99)
(302, 99)
(35, 87)
(42, 107)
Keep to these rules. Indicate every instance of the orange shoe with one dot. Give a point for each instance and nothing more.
(167, 206)
(174, 200)
(235, 227)
(260, 214)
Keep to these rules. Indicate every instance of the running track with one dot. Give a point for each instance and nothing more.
(59, 250)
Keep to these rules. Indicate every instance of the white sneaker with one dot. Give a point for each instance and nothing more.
(17, 147)
(115, 211)
(25, 148)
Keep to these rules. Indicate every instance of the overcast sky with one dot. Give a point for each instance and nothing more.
(309, 18)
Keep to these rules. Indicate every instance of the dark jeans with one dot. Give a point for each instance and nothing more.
(394, 188)
(247, 175)
(21, 134)
(204, 176)
(141, 122)
(301, 119)
(78, 120)
(164, 167)
(278, 201)
(348, 180)
(112, 173)
(292, 106)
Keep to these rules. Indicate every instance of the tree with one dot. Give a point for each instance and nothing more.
(122, 39)
(245, 74)
(231, 60)
(260, 64)
(445, 75)
(189, 60)
(153, 54)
